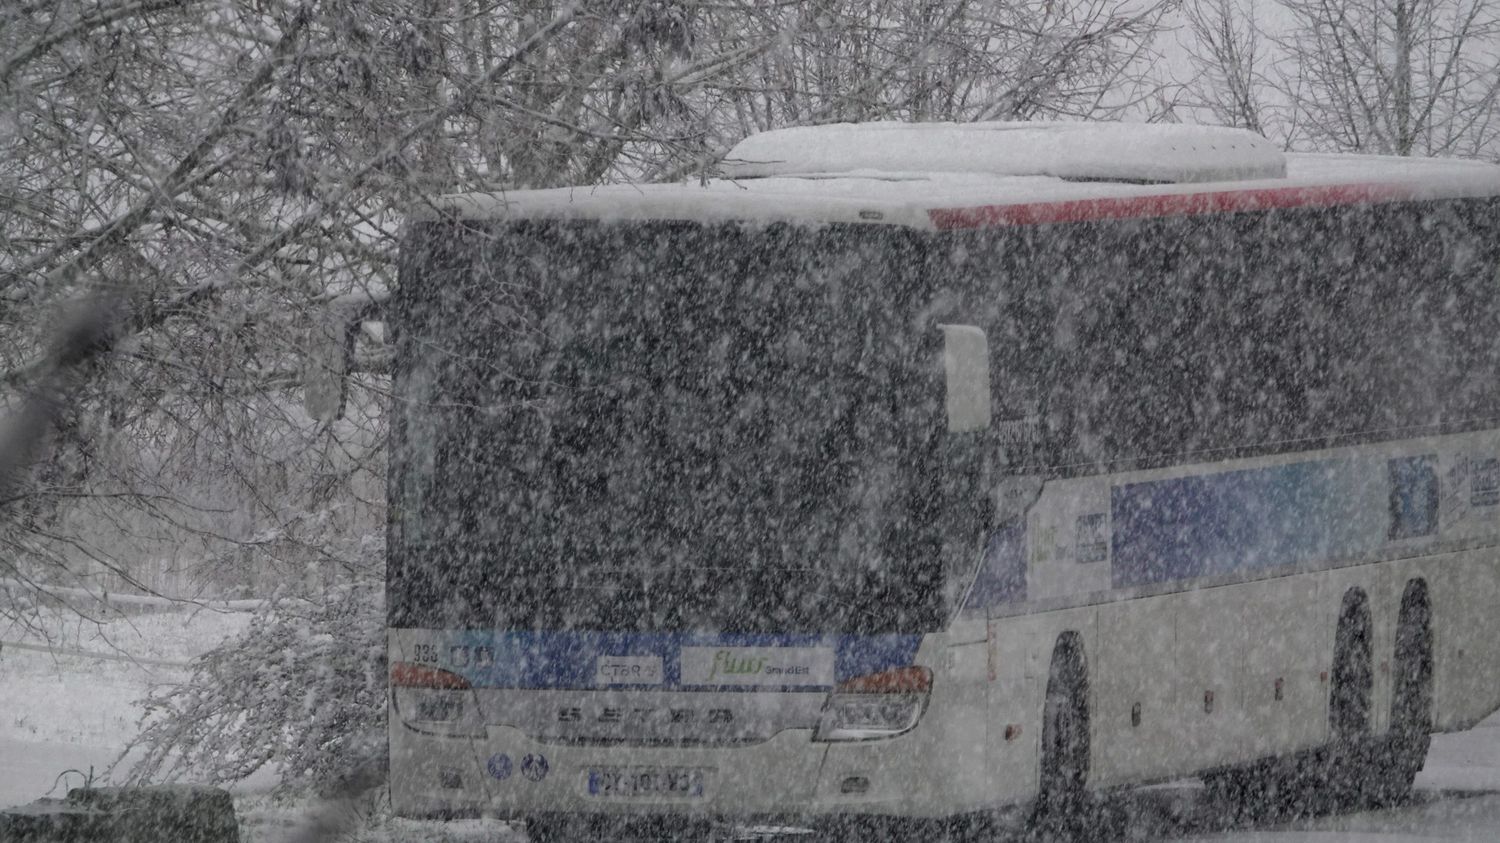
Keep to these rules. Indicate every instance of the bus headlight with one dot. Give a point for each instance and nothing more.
(435, 701)
(879, 705)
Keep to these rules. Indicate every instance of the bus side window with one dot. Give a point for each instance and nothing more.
(1002, 574)
(1414, 497)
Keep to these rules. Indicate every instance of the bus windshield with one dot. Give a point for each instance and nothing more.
(659, 427)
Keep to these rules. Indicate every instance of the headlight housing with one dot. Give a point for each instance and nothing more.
(435, 701)
(875, 706)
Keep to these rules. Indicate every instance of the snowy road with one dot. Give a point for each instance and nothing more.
(1431, 816)
(1454, 816)
(1447, 817)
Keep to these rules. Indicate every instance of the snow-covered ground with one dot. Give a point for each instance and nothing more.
(1452, 819)
(62, 712)
(1466, 761)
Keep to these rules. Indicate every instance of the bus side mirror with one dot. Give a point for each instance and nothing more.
(966, 375)
(329, 352)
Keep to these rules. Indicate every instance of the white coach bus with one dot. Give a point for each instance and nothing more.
(915, 471)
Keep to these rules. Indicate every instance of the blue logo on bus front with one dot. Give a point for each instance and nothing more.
(534, 767)
(499, 766)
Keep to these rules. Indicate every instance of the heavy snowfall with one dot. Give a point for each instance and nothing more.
(206, 217)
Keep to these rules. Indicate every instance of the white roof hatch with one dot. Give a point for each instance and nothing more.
(1129, 152)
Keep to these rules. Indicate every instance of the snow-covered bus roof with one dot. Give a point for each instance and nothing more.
(944, 176)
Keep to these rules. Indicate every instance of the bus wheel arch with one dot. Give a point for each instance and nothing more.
(1351, 759)
(1064, 754)
(1352, 679)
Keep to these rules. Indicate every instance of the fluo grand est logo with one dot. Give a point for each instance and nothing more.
(769, 666)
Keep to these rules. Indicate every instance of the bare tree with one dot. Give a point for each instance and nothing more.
(225, 173)
(1396, 77)
(1401, 77)
(1229, 56)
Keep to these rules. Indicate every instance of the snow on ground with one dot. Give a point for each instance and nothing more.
(1454, 818)
(61, 711)
(29, 768)
(58, 714)
(69, 701)
(1465, 761)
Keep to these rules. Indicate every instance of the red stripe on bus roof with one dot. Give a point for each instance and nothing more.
(1166, 205)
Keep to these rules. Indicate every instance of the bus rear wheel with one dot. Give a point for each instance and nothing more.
(1404, 747)
(1062, 797)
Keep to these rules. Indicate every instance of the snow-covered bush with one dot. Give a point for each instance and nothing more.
(302, 691)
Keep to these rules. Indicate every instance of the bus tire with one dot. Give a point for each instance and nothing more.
(1350, 757)
(1404, 748)
(1062, 795)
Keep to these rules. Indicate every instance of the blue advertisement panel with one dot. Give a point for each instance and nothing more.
(583, 660)
(1199, 526)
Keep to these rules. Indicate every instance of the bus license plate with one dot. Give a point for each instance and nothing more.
(645, 781)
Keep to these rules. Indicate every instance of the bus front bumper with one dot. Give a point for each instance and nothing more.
(508, 775)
